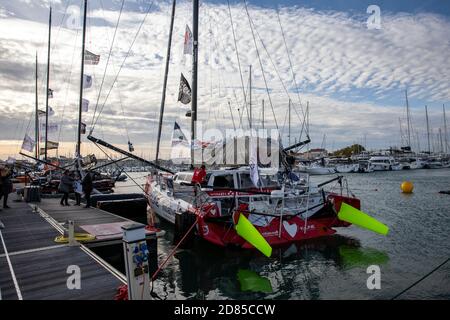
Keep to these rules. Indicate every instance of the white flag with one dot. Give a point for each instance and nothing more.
(28, 143)
(188, 49)
(85, 105)
(87, 81)
(253, 161)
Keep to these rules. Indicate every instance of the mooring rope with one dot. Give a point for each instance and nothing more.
(421, 279)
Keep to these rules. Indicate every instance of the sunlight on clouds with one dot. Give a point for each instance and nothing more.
(334, 57)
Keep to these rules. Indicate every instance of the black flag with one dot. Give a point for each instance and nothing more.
(184, 95)
(83, 128)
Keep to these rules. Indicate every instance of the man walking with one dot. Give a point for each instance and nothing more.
(87, 188)
(5, 185)
(64, 187)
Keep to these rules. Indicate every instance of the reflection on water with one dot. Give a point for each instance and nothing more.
(333, 267)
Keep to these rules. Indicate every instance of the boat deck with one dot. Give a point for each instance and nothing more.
(33, 266)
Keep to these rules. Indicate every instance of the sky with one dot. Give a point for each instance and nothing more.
(351, 72)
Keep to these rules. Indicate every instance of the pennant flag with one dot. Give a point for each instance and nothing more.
(178, 136)
(51, 127)
(90, 58)
(85, 105)
(83, 128)
(50, 93)
(184, 94)
(188, 49)
(28, 143)
(253, 162)
(87, 81)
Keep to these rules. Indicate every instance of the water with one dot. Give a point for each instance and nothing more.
(333, 267)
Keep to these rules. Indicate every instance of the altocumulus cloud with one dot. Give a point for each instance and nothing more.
(352, 77)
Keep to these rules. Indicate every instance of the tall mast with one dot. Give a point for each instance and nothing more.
(441, 145)
(250, 95)
(289, 125)
(408, 119)
(263, 114)
(428, 129)
(36, 118)
(80, 106)
(163, 98)
(445, 130)
(48, 81)
(194, 76)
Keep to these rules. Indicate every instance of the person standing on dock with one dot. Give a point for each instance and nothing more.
(64, 187)
(87, 188)
(5, 185)
(78, 189)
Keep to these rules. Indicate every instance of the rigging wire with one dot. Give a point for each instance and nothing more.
(107, 61)
(123, 63)
(68, 87)
(261, 65)
(237, 53)
(119, 93)
(293, 76)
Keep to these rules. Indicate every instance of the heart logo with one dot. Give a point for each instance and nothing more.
(213, 211)
(291, 229)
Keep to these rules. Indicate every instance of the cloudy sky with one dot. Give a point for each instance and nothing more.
(352, 75)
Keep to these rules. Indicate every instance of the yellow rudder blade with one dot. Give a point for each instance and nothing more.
(246, 230)
(352, 215)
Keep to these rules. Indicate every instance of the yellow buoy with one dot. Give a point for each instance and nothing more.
(407, 187)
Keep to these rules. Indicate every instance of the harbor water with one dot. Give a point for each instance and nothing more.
(334, 267)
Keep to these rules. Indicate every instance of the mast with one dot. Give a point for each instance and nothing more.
(80, 107)
(441, 145)
(163, 98)
(445, 130)
(48, 81)
(428, 129)
(194, 76)
(289, 125)
(250, 95)
(263, 114)
(408, 119)
(36, 118)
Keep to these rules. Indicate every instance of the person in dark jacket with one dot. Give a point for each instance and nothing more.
(5, 185)
(87, 188)
(64, 187)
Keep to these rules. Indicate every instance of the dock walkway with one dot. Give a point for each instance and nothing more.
(33, 266)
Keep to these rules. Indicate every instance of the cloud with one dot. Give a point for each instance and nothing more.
(353, 77)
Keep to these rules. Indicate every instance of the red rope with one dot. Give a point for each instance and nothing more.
(174, 250)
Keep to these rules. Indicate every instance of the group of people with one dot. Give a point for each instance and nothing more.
(6, 186)
(72, 181)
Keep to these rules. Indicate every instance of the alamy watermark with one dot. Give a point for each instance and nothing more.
(374, 280)
(229, 147)
(374, 20)
(74, 280)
